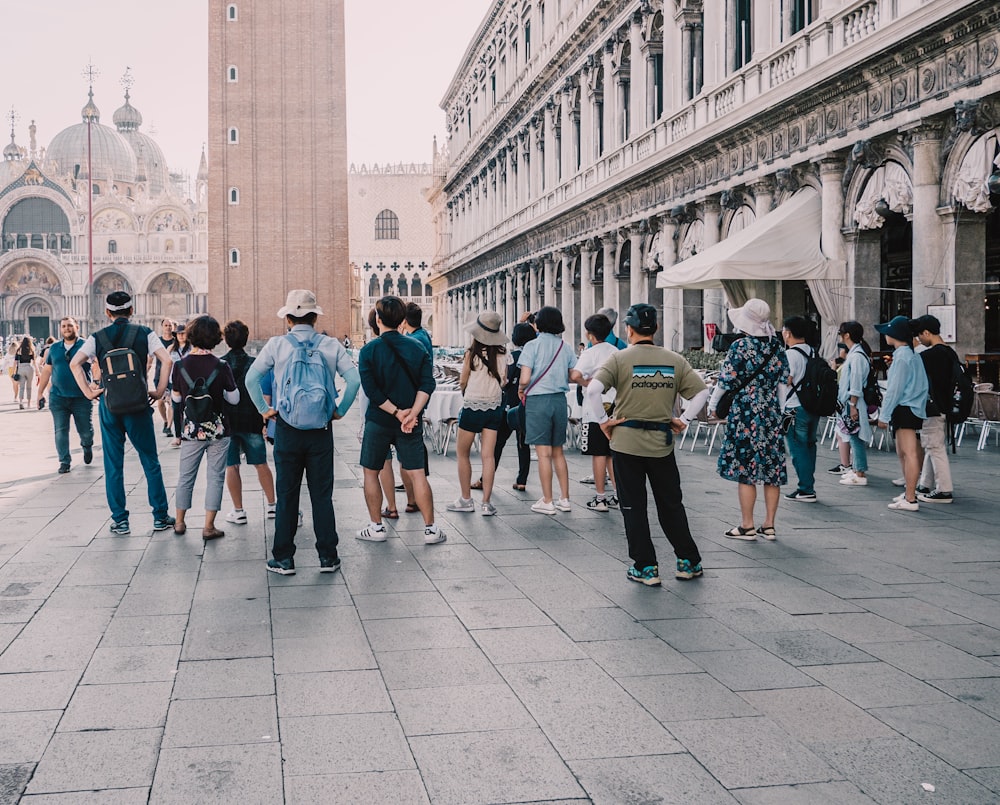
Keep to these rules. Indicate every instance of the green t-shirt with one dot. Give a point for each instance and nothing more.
(648, 379)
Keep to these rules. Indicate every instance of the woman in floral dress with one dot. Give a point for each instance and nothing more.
(753, 449)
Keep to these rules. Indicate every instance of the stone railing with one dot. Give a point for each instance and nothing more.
(860, 22)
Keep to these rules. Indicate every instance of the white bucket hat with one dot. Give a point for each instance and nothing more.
(754, 318)
(300, 303)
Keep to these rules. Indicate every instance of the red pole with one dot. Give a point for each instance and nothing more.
(90, 231)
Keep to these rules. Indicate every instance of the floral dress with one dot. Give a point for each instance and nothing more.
(753, 449)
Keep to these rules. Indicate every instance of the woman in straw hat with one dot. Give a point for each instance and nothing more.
(482, 379)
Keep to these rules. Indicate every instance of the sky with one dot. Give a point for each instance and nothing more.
(401, 55)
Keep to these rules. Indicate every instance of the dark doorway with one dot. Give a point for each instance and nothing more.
(991, 296)
(39, 327)
(896, 294)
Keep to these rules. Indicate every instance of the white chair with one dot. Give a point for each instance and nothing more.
(989, 406)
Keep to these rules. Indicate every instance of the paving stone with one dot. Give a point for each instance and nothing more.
(930, 659)
(494, 588)
(24, 736)
(744, 752)
(18, 610)
(836, 793)
(527, 644)
(132, 664)
(145, 630)
(318, 623)
(508, 612)
(555, 588)
(875, 684)
(397, 787)
(516, 557)
(911, 611)
(816, 714)
(314, 595)
(752, 669)
(401, 605)
(698, 634)
(455, 562)
(638, 657)
(238, 588)
(585, 713)
(974, 639)
(423, 668)
(248, 774)
(956, 733)
(685, 697)
(223, 644)
(859, 628)
(599, 624)
(217, 679)
(464, 708)
(757, 616)
(662, 778)
(115, 707)
(90, 761)
(400, 634)
(215, 722)
(809, 647)
(13, 779)
(987, 777)
(891, 770)
(493, 767)
(331, 693)
(642, 603)
(359, 743)
(44, 690)
(983, 694)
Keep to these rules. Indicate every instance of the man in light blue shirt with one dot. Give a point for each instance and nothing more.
(297, 451)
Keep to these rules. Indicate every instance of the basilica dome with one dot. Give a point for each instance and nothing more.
(151, 165)
(111, 154)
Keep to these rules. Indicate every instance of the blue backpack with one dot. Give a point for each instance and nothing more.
(303, 399)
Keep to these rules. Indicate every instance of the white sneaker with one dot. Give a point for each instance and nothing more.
(488, 510)
(904, 505)
(563, 505)
(272, 510)
(588, 480)
(597, 504)
(851, 479)
(237, 516)
(433, 535)
(899, 482)
(462, 505)
(542, 507)
(373, 532)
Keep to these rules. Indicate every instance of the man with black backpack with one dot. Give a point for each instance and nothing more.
(940, 362)
(303, 405)
(122, 350)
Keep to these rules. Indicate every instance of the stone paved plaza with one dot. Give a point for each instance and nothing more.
(855, 660)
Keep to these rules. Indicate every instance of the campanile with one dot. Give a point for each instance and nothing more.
(277, 207)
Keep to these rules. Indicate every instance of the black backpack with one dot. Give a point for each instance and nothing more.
(123, 374)
(201, 421)
(872, 391)
(817, 390)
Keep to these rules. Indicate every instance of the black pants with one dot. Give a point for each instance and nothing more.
(523, 451)
(631, 473)
(309, 451)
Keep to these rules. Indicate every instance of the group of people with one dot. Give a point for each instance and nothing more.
(23, 360)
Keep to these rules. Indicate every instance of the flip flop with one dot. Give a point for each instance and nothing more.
(411, 508)
(739, 532)
(520, 487)
(391, 514)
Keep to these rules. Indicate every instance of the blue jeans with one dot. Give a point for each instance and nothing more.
(80, 408)
(802, 448)
(309, 451)
(139, 429)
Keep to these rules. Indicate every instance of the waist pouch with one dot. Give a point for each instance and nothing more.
(641, 424)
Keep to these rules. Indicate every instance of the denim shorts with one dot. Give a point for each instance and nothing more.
(477, 421)
(250, 444)
(545, 419)
(378, 439)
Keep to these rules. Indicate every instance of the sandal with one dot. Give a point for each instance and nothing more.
(739, 532)
(180, 529)
(391, 514)
(520, 488)
(212, 533)
(411, 508)
(477, 484)
(767, 532)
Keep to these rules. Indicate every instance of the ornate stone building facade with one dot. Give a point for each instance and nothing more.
(148, 238)
(392, 237)
(603, 151)
(278, 176)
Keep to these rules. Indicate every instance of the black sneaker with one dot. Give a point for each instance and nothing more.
(120, 528)
(840, 469)
(163, 523)
(935, 497)
(924, 490)
(284, 567)
(88, 454)
(329, 565)
(802, 497)
(63, 469)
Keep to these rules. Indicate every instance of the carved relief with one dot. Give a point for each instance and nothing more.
(956, 69)
(988, 52)
(794, 137)
(928, 78)
(875, 102)
(899, 91)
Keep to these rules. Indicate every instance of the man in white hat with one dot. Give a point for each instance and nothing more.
(305, 364)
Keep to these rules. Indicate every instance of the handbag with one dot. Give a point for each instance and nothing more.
(787, 421)
(16, 376)
(726, 400)
(515, 414)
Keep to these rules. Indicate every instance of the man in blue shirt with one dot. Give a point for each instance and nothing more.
(66, 399)
(612, 316)
(298, 451)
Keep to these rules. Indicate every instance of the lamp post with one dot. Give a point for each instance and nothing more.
(90, 114)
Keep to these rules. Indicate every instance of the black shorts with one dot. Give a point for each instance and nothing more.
(904, 419)
(593, 442)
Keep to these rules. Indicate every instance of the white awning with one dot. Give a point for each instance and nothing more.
(782, 245)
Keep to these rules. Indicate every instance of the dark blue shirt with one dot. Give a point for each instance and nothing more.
(383, 376)
(422, 336)
(62, 380)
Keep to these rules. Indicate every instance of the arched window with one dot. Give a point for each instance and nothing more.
(95, 189)
(415, 285)
(387, 226)
(234, 257)
(427, 290)
(232, 74)
(373, 286)
(387, 287)
(234, 195)
(112, 247)
(234, 135)
(231, 13)
(401, 285)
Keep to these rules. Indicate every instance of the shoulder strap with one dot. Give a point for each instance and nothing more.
(536, 380)
(102, 337)
(186, 376)
(757, 371)
(797, 386)
(404, 364)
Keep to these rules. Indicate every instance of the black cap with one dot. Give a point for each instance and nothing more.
(641, 317)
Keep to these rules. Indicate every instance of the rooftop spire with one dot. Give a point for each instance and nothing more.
(90, 112)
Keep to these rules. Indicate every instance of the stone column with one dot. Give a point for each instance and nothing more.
(928, 231)
(610, 97)
(586, 118)
(549, 281)
(714, 299)
(609, 243)
(531, 296)
(763, 194)
(637, 78)
(587, 307)
(567, 139)
(509, 317)
(550, 147)
(637, 277)
(672, 326)
(566, 301)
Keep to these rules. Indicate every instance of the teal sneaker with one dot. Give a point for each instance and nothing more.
(650, 576)
(685, 570)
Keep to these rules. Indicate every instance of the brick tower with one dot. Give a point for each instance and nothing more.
(277, 209)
